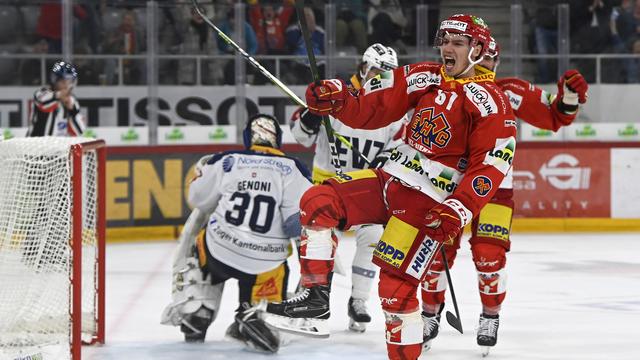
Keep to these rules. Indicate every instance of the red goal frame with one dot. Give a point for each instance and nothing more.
(76, 154)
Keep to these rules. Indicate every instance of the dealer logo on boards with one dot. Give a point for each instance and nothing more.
(563, 173)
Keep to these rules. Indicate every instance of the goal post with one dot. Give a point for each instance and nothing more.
(52, 247)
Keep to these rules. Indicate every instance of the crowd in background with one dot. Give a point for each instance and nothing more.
(118, 27)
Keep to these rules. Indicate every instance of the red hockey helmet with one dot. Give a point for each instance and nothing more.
(468, 25)
(493, 49)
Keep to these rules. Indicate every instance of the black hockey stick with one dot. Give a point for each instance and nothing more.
(335, 159)
(271, 77)
(453, 320)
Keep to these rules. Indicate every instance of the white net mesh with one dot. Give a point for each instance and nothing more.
(36, 262)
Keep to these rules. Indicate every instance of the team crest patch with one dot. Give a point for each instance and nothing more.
(481, 185)
(429, 129)
(227, 163)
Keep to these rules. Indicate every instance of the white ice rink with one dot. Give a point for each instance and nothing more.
(569, 297)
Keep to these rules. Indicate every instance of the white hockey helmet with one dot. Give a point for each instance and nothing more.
(379, 57)
(262, 129)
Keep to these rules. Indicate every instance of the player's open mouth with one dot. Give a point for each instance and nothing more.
(449, 63)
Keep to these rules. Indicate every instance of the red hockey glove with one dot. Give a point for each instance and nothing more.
(572, 88)
(443, 224)
(326, 97)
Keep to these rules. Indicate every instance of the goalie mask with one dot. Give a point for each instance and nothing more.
(378, 56)
(262, 129)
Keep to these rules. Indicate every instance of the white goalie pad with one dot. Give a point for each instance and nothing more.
(190, 290)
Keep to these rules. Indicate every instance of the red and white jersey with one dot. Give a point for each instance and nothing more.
(534, 106)
(458, 127)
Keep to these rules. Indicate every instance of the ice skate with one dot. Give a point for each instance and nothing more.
(358, 315)
(430, 330)
(305, 314)
(487, 332)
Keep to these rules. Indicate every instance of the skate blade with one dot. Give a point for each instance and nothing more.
(355, 326)
(484, 350)
(426, 346)
(315, 328)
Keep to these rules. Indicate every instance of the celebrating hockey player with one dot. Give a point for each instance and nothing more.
(55, 110)
(249, 202)
(372, 144)
(490, 240)
(434, 183)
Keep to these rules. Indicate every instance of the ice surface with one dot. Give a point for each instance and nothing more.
(569, 297)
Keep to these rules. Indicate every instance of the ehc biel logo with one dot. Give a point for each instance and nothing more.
(428, 128)
(481, 185)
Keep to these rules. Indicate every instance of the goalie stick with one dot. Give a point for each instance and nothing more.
(331, 133)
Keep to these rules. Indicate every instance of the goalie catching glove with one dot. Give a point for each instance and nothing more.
(326, 97)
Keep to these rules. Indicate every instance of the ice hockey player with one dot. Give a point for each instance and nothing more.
(432, 185)
(490, 240)
(248, 200)
(375, 145)
(55, 110)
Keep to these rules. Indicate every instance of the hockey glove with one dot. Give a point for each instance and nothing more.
(443, 224)
(310, 122)
(572, 89)
(326, 97)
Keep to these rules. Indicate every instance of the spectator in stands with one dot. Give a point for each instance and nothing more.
(633, 76)
(623, 31)
(270, 25)
(124, 41)
(386, 21)
(30, 68)
(546, 39)
(350, 24)
(300, 73)
(591, 32)
(250, 44)
(197, 39)
(50, 24)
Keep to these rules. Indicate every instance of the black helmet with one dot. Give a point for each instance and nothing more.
(62, 70)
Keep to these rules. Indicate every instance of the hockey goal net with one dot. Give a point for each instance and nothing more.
(51, 247)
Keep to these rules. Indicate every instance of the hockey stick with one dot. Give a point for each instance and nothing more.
(453, 320)
(335, 159)
(271, 77)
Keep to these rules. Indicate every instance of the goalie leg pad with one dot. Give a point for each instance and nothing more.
(190, 292)
(490, 261)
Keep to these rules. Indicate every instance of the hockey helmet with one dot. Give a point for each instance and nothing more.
(62, 70)
(379, 57)
(262, 129)
(470, 26)
(493, 49)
